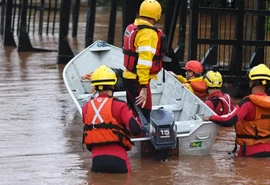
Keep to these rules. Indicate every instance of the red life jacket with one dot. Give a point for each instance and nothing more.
(222, 104)
(130, 54)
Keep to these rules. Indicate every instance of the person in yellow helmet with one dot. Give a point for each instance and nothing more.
(218, 101)
(143, 48)
(251, 116)
(108, 125)
(194, 79)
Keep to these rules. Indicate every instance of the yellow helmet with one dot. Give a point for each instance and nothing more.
(259, 72)
(103, 76)
(151, 9)
(213, 79)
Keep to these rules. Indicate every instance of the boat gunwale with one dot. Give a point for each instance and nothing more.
(79, 108)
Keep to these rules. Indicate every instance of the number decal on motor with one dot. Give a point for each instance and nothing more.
(164, 133)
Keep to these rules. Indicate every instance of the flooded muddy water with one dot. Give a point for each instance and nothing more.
(41, 132)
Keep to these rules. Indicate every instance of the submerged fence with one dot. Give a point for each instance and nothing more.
(22, 17)
(232, 35)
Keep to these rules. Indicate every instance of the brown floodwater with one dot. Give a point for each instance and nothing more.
(41, 131)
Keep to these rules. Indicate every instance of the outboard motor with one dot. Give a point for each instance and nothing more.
(163, 130)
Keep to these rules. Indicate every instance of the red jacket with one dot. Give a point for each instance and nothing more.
(123, 115)
(245, 110)
(220, 103)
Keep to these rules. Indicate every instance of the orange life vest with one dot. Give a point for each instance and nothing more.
(129, 50)
(101, 127)
(257, 131)
(199, 88)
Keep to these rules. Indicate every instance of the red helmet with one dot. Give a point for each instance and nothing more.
(194, 66)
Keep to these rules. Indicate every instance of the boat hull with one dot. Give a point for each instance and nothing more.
(195, 136)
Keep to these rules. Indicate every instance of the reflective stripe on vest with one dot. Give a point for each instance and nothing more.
(131, 55)
(226, 104)
(97, 114)
(101, 128)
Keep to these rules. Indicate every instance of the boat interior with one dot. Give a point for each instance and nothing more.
(188, 110)
(167, 92)
(195, 136)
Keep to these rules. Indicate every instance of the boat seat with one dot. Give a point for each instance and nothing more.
(120, 94)
(187, 126)
(123, 93)
(172, 107)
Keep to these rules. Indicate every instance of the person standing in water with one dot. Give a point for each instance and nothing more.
(108, 125)
(251, 116)
(218, 101)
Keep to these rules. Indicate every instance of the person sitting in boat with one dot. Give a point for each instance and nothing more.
(251, 116)
(144, 47)
(108, 125)
(193, 80)
(218, 101)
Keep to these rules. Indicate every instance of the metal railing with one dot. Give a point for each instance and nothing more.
(234, 39)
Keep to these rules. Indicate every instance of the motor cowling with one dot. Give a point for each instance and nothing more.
(163, 130)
